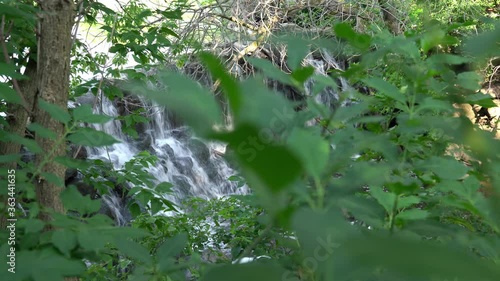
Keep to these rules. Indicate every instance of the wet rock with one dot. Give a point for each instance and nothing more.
(181, 183)
(200, 150)
(182, 133)
(168, 150)
(184, 165)
(145, 142)
(71, 175)
(26, 155)
(77, 152)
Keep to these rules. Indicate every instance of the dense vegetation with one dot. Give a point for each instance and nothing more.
(391, 181)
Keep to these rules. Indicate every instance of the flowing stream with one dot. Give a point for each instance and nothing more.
(195, 167)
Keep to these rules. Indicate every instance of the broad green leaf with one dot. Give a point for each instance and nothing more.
(34, 225)
(481, 99)
(386, 199)
(10, 71)
(432, 38)
(133, 250)
(84, 113)
(312, 149)
(52, 178)
(484, 45)
(297, 49)
(42, 131)
(302, 74)
(30, 144)
(230, 85)
(69, 162)
(445, 168)
(193, 103)
(64, 240)
(469, 80)
(246, 272)
(9, 95)
(390, 254)
(73, 200)
(55, 111)
(91, 137)
(357, 40)
(275, 165)
(92, 241)
(164, 187)
(413, 214)
(385, 88)
(448, 59)
(408, 201)
(9, 158)
(271, 71)
(170, 248)
(270, 112)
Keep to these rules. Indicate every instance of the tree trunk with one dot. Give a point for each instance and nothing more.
(56, 22)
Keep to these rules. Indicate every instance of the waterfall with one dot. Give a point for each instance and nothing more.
(193, 166)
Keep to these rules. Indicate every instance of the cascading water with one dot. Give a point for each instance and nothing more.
(193, 166)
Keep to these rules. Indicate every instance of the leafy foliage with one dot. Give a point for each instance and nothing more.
(370, 191)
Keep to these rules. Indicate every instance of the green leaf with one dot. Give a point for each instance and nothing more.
(30, 144)
(52, 178)
(10, 158)
(185, 97)
(246, 272)
(73, 200)
(34, 225)
(385, 88)
(56, 112)
(274, 165)
(64, 240)
(91, 137)
(133, 250)
(484, 45)
(302, 74)
(10, 71)
(312, 149)
(297, 49)
(91, 241)
(270, 112)
(229, 85)
(386, 199)
(84, 113)
(445, 168)
(390, 254)
(469, 80)
(42, 131)
(413, 214)
(271, 71)
(9, 95)
(164, 187)
(357, 40)
(408, 201)
(71, 163)
(481, 99)
(169, 249)
(432, 38)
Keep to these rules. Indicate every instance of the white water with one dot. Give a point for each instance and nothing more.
(193, 166)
